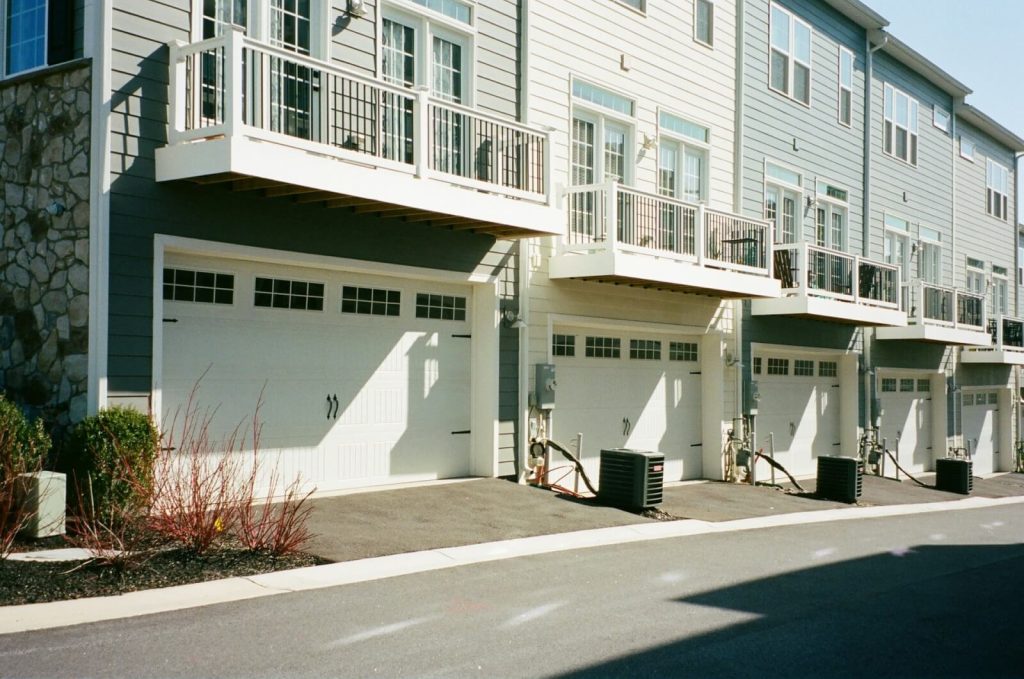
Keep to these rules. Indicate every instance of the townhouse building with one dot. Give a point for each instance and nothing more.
(631, 305)
(416, 234)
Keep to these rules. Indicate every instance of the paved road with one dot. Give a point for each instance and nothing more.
(927, 595)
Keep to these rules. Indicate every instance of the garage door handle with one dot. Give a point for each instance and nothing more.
(462, 431)
(332, 404)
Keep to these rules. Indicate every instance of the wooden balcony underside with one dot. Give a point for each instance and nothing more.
(269, 188)
(663, 286)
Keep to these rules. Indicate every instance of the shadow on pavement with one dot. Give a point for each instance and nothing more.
(924, 611)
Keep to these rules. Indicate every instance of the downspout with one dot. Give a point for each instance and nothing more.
(523, 263)
(869, 333)
(952, 233)
(737, 193)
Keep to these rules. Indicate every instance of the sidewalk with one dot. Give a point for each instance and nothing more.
(370, 524)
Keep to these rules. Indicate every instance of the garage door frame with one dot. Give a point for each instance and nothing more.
(937, 414)
(484, 354)
(712, 368)
(1002, 458)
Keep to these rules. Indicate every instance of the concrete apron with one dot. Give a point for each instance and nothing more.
(78, 611)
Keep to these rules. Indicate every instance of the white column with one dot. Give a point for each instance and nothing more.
(849, 404)
(939, 416)
(712, 404)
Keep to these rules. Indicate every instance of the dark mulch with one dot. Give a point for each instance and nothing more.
(25, 583)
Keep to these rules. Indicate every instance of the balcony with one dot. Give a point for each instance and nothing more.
(940, 314)
(267, 119)
(827, 284)
(1007, 343)
(621, 235)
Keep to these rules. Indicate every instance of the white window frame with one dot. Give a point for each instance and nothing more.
(258, 25)
(686, 144)
(974, 277)
(832, 206)
(1000, 293)
(912, 128)
(790, 55)
(4, 8)
(926, 243)
(427, 23)
(967, 149)
(890, 235)
(711, 23)
(600, 117)
(844, 52)
(639, 6)
(936, 114)
(993, 190)
(796, 191)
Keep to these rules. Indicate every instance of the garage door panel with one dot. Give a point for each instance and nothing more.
(402, 383)
(980, 418)
(906, 419)
(644, 404)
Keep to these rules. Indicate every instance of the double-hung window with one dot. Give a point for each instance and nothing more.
(997, 190)
(929, 264)
(704, 22)
(845, 102)
(34, 33)
(790, 55)
(601, 149)
(782, 197)
(900, 122)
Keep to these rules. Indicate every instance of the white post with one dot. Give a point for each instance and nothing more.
(855, 280)
(700, 235)
(549, 180)
(233, 82)
(178, 91)
(611, 221)
(999, 332)
(421, 131)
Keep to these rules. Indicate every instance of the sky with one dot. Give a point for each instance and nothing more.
(978, 42)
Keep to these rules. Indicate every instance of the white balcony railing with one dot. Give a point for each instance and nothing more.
(806, 269)
(1007, 333)
(233, 85)
(930, 304)
(612, 216)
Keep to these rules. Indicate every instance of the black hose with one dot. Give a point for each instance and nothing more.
(893, 458)
(575, 460)
(783, 470)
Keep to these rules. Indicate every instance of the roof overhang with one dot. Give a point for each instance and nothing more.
(990, 127)
(913, 60)
(859, 13)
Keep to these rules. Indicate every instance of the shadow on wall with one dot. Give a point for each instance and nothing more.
(922, 611)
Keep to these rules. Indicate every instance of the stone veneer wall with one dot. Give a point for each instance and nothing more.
(44, 229)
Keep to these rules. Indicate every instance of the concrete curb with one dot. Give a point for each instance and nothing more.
(79, 611)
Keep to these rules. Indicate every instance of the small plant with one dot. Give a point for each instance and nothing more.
(23, 448)
(277, 527)
(111, 460)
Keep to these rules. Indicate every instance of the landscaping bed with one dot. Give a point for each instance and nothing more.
(27, 582)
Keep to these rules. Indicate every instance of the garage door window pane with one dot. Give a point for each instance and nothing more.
(645, 350)
(889, 384)
(183, 285)
(682, 351)
(828, 368)
(778, 366)
(993, 399)
(803, 368)
(441, 307)
(603, 347)
(563, 345)
(757, 365)
(907, 385)
(281, 293)
(370, 301)
(968, 399)
(924, 385)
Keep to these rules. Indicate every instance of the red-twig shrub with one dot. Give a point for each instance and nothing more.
(278, 525)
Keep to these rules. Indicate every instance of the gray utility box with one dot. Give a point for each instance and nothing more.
(43, 495)
(631, 479)
(954, 476)
(839, 478)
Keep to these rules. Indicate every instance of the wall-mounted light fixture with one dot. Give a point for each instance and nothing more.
(512, 319)
(357, 8)
(648, 143)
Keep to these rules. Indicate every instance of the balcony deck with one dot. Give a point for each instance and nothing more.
(826, 284)
(941, 315)
(267, 119)
(1007, 343)
(617, 234)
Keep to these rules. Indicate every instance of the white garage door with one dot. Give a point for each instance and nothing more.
(364, 380)
(906, 419)
(799, 404)
(980, 413)
(629, 390)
